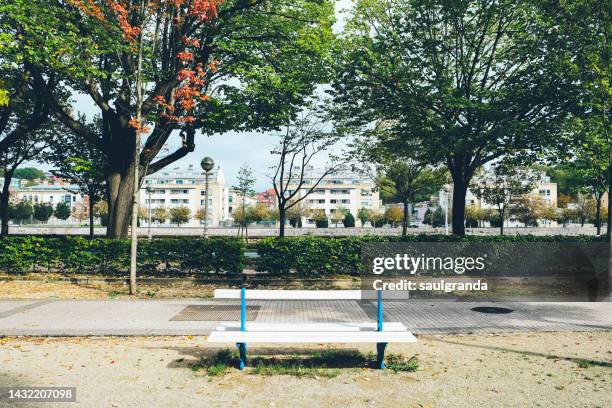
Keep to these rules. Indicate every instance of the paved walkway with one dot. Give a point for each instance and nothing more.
(170, 317)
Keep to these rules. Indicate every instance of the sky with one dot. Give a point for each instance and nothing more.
(230, 150)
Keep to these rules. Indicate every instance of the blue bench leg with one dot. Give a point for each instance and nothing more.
(242, 350)
(380, 355)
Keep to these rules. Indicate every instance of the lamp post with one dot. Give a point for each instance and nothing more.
(207, 164)
(149, 191)
(446, 199)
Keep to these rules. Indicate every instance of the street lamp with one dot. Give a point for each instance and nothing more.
(149, 191)
(446, 200)
(207, 164)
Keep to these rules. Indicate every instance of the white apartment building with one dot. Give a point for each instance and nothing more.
(186, 187)
(234, 200)
(50, 194)
(339, 190)
(543, 188)
(54, 194)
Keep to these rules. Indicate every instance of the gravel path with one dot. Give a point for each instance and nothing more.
(504, 370)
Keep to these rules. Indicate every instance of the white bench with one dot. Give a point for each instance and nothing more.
(244, 332)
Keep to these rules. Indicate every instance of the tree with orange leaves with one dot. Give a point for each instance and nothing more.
(158, 68)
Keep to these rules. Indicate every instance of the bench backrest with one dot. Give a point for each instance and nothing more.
(259, 294)
(244, 294)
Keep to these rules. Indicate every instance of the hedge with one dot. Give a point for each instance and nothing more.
(332, 255)
(104, 256)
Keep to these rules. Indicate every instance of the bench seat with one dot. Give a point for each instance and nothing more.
(225, 336)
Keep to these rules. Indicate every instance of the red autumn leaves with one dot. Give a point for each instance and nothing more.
(177, 106)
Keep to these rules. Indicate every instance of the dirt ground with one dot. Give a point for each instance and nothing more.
(510, 370)
(37, 289)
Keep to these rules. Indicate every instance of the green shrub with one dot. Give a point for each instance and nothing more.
(349, 220)
(338, 255)
(105, 256)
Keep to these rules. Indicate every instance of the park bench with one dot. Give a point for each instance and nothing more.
(241, 332)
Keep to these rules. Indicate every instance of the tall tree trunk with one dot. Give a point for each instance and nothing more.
(406, 219)
(4, 204)
(121, 191)
(460, 186)
(502, 219)
(282, 215)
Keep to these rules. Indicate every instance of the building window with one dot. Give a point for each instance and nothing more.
(179, 201)
(333, 201)
(174, 191)
(346, 201)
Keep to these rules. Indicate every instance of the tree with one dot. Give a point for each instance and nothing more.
(153, 68)
(584, 28)
(566, 215)
(160, 215)
(272, 215)
(434, 218)
(21, 150)
(295, 214)
(404, 180)
(528, 210)
(585, 208)
(502, 186)
(473, 216)
(101, 212)
(548, 213)
(42, 212)
(244, 188)
(338, 215)
(468, 81)
(62, 211)
(29, 173)
(180, 215)
(259, 212)
(21, 212)
(80, 212)
(320, 218)
(82, 165)
(200, 215)
(394, 214)
(304, 139)
(349, 220)
(364, 216)
(377, 219)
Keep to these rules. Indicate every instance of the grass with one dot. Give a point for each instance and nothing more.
(397, 363)
(113, 294)
(295, 371)
(324, 364)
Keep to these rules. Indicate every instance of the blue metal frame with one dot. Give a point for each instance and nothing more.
(242, 347)
(380, 347)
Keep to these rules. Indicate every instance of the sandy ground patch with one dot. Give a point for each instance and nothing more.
(510, 370)
(67, 290)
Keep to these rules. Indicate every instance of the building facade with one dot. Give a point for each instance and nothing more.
(338, 191)
(234, 200)
(544, 189)
(186, 187)
(267, 198)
